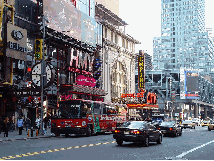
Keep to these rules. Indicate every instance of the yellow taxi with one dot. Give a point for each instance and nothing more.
(205, 123)
(211, 126)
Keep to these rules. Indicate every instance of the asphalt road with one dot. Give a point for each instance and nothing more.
(194, 144)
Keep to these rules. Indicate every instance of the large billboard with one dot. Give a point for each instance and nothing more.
(65, 18)
(189, 84)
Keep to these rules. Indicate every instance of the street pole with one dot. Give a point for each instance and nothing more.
(43, 73)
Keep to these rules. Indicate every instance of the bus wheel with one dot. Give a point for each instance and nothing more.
(88, 133)
(66, 135)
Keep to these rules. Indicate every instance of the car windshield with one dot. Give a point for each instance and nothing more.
(205, 121)
(134, 124)
(194, 119)
(167, 123)
(187, 121)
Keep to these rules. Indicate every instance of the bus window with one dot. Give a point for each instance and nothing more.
(84, 110)
(67, 110)
(97, 109)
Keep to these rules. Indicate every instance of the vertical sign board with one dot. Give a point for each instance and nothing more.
(191, 85)
(182, 84)
(141, 71)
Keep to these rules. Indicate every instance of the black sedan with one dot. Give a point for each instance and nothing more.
(170, 128)
(137, 131)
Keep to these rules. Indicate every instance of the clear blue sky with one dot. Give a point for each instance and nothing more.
(144, 19)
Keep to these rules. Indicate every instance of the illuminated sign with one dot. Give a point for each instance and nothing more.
(66, 97)
(133, 95)
(141, 71)
(151, 98)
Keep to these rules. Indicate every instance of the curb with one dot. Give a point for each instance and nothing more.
(27, 138)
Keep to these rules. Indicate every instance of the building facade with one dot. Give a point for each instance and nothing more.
(118, 56)
(184, 43)
(70, 52)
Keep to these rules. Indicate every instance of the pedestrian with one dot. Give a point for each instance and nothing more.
(20, 125)
(1, 124)
(27, 124)
(7, 126)
(38, 121)
(45, 124)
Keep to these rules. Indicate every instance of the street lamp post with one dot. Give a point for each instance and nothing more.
(43, 73)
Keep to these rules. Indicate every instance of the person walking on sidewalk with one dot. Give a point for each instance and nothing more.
(7, 126)
(20, 125)
(27, 124)
(45, 124)
(38, 121)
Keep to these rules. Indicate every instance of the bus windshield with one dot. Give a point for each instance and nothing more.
(69, 110)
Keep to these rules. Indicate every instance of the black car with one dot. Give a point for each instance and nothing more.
(137, 131)
(170, 128)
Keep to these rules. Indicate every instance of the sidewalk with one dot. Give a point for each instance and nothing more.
(12, 136)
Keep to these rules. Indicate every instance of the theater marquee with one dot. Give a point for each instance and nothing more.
(141, 71)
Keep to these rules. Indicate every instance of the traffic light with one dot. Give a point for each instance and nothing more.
(38, 49)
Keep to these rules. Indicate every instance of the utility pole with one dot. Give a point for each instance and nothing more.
(43, 72)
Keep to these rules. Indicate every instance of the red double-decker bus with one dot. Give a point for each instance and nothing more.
(84, 117)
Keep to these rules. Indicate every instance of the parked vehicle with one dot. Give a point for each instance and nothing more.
(188, 124)
(211, 126)
(196, 121)
(170, 128)
(137, 131)
(84, 117)
(205, 123)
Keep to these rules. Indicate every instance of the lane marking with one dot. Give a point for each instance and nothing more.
(54, 150)
(185, 153)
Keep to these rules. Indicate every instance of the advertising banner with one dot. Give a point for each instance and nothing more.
(192, 85)
(189, 84)
(88, 29)
(16, 42)
(63, 17)
(182, 84)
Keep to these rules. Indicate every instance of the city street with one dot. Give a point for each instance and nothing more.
(193, 144)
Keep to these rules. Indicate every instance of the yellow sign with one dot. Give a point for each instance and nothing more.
(141, 71)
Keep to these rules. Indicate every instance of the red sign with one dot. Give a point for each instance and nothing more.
(66, 97)
(85, 81)
(81, 80)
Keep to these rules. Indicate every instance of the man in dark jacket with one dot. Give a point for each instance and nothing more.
(27, 124)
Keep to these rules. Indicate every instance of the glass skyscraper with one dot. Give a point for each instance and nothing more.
(184, 43)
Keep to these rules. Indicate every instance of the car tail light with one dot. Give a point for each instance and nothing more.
(159, 128)
(116, 131)
(170, 128)
(136, 132)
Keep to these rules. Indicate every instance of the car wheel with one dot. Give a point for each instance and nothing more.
(88, 133)
(180, 133)
(159, 140)
(119, 142)
(209, 129)
(194, 127)
(175, 134)
(146, 142)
